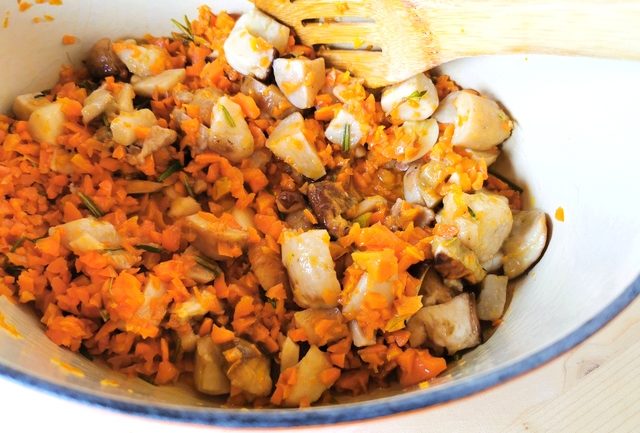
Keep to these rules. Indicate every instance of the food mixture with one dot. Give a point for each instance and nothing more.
(221, 208)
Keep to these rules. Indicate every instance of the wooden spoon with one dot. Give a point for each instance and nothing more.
(390, 40)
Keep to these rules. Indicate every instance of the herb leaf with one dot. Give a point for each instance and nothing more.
(91, 205)
(346, 137)
(150, 248)
(471, 212)
(187, 186)
(13, 270)
(173, 167)
(417, 94)
(186, 33)
(209, 265)
(227, 116)
(17, 244)
(42, 94)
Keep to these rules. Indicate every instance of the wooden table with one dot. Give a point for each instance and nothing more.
(593, 388)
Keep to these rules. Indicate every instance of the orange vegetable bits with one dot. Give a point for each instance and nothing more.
(417, 366)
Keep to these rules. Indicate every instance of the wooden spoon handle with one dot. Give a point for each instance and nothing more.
(600, 28)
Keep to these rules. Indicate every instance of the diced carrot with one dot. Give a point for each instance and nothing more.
(248, 105)
(329, 376)
(269, 225)
(255, 178)
(71, 107)
(416, 366)
(221, 335)
(69, 40)
(244, 307)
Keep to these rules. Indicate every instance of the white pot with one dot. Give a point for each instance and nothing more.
(575, 146)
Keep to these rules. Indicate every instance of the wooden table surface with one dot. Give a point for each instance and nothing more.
(592, 388)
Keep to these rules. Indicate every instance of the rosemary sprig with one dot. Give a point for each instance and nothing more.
(91, 205)
(417, 94)
(227, 116)
(346, 137)
(209, 265)
(17, 244)
(173, 167)
(187, 186)
(150, 248)
(186, 33)
(42, 93)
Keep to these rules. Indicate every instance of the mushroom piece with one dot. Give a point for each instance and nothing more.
(329, 201)
(195, 306)
(433, 290)
(351, 88)
(269, 98)
(452, 325)
(211, 232)
(96, 103)
(311, 386)
(525, 242)
(483, 220)
(88, 234)
(357, 334)
(489, 156)
(102, 61)
(346, 127)
(183, 206)
(123, 127)
(298, 221)
(480, 123)
(300, 79)
(289, 143)
(414, 138)
(290, 201)
(289, 354)
(376, 282)
(141, 60)
(263, 26)
(403, 213)
(413, 99)
(147, 318)
(26, 104)
(328, 320)
(266, 265)
(244, 217)
(229, 130)
(205, 99)
(248, 369)
(157, 138)
(311, 269)
(421, 191)
(248, 54)
(202, 271)
(161, 83)
(46, 123)
(492, 298)
(208, 373)
(123, 98)
(453, 260)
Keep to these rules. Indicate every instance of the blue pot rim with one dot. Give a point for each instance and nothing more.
(339, 413)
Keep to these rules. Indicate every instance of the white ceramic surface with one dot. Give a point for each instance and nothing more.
(575, 145)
